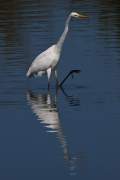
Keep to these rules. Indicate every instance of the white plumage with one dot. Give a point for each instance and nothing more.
(47, 61)
(43, 62)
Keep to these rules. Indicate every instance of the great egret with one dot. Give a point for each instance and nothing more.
(47, 61)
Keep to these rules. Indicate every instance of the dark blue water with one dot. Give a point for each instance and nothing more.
(73, 134)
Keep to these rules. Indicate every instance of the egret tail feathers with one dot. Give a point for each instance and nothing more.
(28, 73)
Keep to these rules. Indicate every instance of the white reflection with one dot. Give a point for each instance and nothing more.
(45, 109)
(44, 106)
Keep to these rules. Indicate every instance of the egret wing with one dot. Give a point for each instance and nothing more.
(43, 61)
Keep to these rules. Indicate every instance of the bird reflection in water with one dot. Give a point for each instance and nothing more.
(44, 106)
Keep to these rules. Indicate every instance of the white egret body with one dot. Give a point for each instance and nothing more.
(47, 61)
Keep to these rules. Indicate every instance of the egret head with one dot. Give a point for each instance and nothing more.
(77, 15)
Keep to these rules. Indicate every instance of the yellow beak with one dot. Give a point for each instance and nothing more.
(83, 16)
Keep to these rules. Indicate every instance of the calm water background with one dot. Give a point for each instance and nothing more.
(74, 134)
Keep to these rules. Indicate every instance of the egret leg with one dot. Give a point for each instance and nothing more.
(49, 75)
(56, 77)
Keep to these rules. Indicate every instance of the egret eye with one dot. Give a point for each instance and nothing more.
(76, 15)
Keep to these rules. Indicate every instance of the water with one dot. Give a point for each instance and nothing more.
(73, 134)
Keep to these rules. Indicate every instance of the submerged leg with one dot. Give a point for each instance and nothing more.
(49, 75)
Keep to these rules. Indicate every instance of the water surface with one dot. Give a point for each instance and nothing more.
(74, 133)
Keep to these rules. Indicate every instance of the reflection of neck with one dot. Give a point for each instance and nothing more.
(63, 143)
(63, 36)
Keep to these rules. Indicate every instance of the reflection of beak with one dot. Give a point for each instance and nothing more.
(83, 16)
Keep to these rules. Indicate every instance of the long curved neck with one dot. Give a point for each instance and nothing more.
(63, 36)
